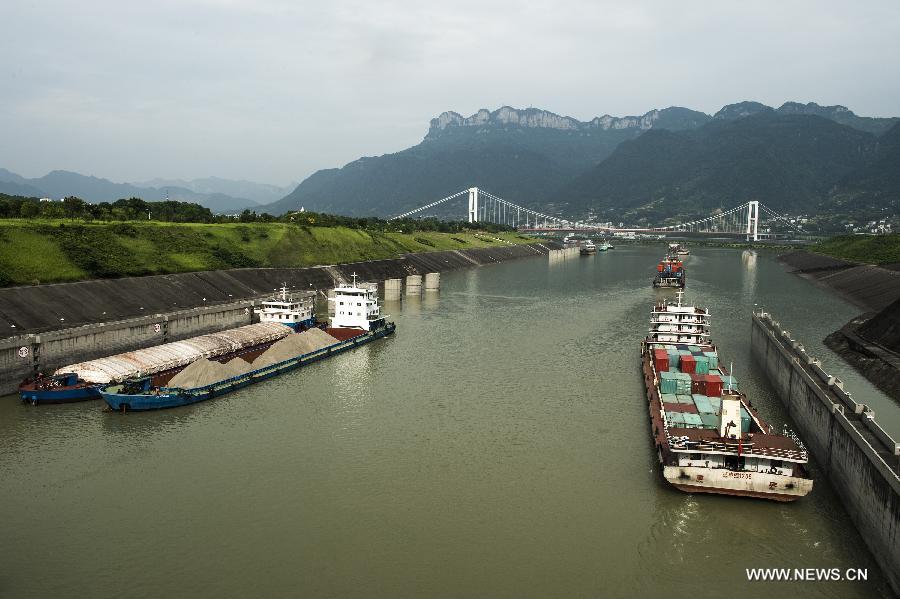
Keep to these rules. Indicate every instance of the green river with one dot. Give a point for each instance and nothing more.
(497, 446)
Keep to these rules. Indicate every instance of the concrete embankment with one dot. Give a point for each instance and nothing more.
(48, 326)
(871, 341)
(872, 288)
(860, 459)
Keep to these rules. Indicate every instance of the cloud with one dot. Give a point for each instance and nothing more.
(273, 90)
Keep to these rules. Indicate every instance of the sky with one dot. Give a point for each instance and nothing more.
(272, 90)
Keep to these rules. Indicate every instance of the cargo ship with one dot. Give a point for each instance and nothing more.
(82, 381)
(357, 321)
(670, 273)
(708, 436)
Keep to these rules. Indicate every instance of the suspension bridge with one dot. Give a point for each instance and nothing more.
(752, 220)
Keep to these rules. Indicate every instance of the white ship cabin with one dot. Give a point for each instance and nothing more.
(293, 310)
(356, 307)
(677, 323)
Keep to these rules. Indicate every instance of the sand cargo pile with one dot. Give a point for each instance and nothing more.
(174, 355)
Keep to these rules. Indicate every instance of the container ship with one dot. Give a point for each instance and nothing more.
(279, 316)
(357, 321)
(670, 273)
(707, 434)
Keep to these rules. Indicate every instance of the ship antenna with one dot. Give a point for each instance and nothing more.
(730, 374)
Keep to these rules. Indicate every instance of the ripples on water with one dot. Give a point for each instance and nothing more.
(497, 446)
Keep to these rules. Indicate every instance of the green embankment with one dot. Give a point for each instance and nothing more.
(53, 251)
(868, 249)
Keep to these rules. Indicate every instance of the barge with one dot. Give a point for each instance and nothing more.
(708, 436)
(670, 273)
(357, 321)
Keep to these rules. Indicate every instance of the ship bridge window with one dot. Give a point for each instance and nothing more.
(696, 456)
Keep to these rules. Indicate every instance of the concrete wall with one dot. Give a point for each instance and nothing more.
(48, 351)
(859, 458)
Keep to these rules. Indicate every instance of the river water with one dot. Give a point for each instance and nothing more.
(496, 446)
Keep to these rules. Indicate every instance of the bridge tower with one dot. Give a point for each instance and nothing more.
(753, 220)
(473, 204)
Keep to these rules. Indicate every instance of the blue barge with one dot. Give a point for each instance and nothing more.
(139, 395)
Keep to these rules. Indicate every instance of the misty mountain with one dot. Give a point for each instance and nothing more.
(538, 158)
(838, 114)
(59, 184)
(790, 162)
(522, 154)
(259, 193)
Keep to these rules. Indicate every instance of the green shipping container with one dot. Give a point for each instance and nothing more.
(712, 358)
(669, 398)
(695, 349)
(703, 405)
(745, 421)
(685, 352)
(675, 418)
(710, 421)
(685, 399)
(693, 420)
(729, 382)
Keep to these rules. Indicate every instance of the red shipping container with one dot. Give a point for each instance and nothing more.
(688, 364)
(713, 385)
(698, 384)
(661, 360)
(659, 268)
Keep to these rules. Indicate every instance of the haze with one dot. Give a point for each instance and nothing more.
(271, 91)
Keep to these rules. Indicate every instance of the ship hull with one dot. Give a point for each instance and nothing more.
(84, 392)
(720, 481)
(175, 398)
(743, 484)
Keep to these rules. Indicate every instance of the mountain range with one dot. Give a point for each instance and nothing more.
(664, 162)
(212, 192)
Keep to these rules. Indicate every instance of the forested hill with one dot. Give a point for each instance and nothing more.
(790, 162)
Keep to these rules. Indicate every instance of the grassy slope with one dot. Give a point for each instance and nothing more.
(54, 251)
(869, 249)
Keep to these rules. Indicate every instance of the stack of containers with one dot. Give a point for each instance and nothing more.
(683, 383)
(702, 364)
(673, 358)
(675, 418)
(695, 349)
(712, 358)
(685, 399)
(713, 385)
(716, 403)
(668, 383)
(745, 420)
(688, 364)
(729, 382)
(692, 420)
(698, 383)
(668, 398)
(660, 360)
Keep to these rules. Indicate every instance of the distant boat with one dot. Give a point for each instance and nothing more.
(588, 248)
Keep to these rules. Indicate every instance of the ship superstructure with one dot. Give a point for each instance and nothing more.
(296, 310)
(707, 434)
(356, 307)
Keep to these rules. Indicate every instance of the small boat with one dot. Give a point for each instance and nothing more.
(64, 387)
(603, 247)
(588, 248)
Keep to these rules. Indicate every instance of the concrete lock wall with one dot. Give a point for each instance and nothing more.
(413, 284)
(48, 351)
(859, 458)
(56, 325)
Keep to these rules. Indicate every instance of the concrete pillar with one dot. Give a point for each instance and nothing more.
(330, 302)
(414, 285)
(432, 281)
(393, 289)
